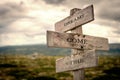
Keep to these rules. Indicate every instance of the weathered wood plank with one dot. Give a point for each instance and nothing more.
(78, 61)
(79, 18)
(76, 41)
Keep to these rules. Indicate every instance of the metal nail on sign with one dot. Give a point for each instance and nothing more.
(79, 18)
(76, 41)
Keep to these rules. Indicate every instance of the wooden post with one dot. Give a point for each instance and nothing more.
(77, 74)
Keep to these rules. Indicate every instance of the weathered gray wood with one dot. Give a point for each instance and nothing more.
(78, 18)
(78, 61)
(80, 73)
(73, 11)
(76, 41)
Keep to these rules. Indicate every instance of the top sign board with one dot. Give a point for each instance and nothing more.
(80, 17)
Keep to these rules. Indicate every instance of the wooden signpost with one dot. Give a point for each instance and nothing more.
(83, 46)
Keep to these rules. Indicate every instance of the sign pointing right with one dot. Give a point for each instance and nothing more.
(76, 41)
(79, 18)
(73, 62)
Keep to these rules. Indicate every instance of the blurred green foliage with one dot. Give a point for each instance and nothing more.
(40, 67)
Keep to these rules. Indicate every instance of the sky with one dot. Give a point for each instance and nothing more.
(24, 22)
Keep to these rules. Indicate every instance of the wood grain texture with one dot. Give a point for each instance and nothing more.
(78, 74)
(80, 17)
(74, 62)
(76, 41)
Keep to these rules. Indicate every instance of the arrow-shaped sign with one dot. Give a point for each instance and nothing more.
(73, 62)
(76, 41)
(79, 18)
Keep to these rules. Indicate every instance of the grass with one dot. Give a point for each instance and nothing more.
(24, 67)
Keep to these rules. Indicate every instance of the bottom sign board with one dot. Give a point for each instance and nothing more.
(87, 59)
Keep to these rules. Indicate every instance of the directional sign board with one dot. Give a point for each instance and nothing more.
(80, 17)
(76, 41)
(74, 62)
